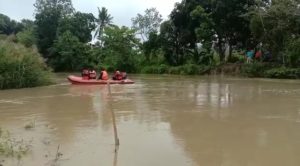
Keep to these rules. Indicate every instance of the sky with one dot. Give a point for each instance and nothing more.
(121, 10)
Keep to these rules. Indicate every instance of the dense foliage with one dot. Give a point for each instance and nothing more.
(120, 49)
(277, 26)
(68, 53)
(197, 37)
(21, 67)
(8, 26)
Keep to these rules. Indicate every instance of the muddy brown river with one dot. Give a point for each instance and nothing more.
(162, 121)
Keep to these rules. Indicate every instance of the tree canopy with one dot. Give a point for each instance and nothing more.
(8, 26)
(203, 33)
(104, 19)
(147, 23)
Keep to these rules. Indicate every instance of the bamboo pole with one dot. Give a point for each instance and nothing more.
(117, 141)
(115, 162)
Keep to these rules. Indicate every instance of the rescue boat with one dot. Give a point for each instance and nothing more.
(80, 81)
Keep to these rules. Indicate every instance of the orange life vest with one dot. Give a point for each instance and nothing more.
(104, 75)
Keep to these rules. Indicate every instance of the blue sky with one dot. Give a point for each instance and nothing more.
(121, 10)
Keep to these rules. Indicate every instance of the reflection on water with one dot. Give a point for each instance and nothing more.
(162, 120)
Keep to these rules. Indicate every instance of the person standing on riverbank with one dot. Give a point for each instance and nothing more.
(250, 55)
(258, 55)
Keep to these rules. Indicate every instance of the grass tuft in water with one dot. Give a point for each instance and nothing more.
(10, 147)
(30, 125)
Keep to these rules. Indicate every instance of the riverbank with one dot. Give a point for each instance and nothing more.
(259, 70)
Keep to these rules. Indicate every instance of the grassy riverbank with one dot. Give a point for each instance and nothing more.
(270, 71)
(261, 70)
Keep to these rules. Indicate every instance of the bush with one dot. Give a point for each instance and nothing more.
(283, 72)
(192, 69)
(270, 71)
(120, 49)
(69, 54)
(253, 70)
(293, 52)
(21, 67)
(237, 57)
(256, 69)
(188, 69)
(148, 70)
(26, 37)
(155, 69)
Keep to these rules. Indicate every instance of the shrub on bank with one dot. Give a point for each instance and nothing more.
(257, 69)
(155, 69)
(283, 72)
(253, 70)
(263, 70)
(187, 69)
(269, 70)
(21, 67)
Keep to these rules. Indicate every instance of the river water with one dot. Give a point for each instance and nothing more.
(162, 120)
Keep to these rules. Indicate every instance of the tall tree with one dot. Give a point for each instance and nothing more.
(171, 43)
(152, 46)
(184, 28)
(48, 15)
(63, 7)
(79, 24)
(207, 21)
(230, 24)
(120, 48)
(68, 53)
(147, 23)
(276, 24)
(8, 26)
(104, 19)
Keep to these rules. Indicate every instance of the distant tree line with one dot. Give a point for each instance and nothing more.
(198, 35)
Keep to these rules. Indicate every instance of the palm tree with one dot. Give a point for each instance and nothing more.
(104, 19)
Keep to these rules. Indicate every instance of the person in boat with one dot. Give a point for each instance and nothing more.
(103, 75)
(117, 75)
(92, 74)
(124, 75)
(85, 74)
